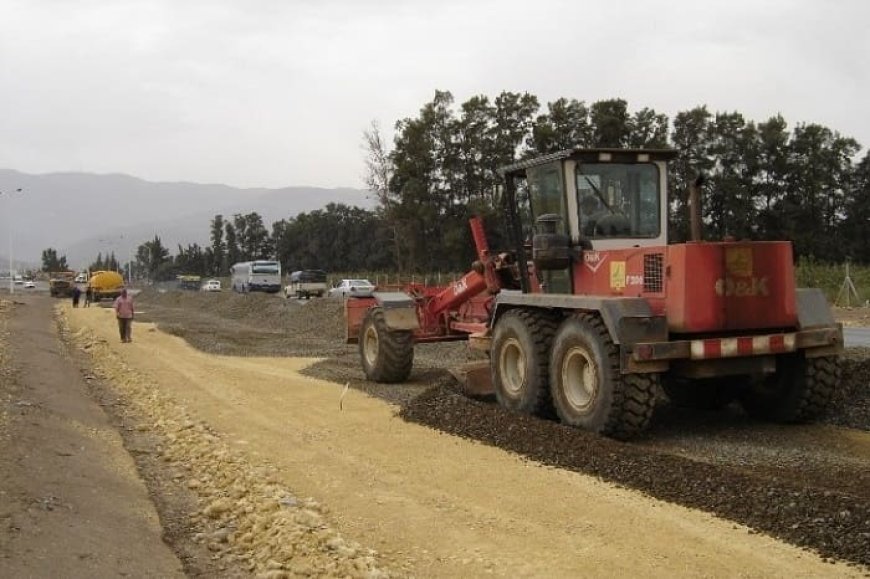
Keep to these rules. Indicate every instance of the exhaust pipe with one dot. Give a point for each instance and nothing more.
(695, 207)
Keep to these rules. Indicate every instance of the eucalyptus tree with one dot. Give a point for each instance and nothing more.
(857, 210)
(151, 257)
(691, 137)
(565, 125)
(232, 244)
(51, 261)
(730, 208)
(218, 256)
(820, 169)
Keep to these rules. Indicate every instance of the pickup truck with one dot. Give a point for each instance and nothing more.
(306, 283)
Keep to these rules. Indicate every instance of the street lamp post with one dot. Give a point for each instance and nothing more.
(11, 277)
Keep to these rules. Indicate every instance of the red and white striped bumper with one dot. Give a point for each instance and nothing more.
(717, 348)
(746, 346)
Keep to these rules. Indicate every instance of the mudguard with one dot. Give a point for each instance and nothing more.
(628, 320)
(400, 310)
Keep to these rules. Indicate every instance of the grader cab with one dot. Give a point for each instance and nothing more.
(591, 311)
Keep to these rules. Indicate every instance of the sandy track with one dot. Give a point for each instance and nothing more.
(433, 504)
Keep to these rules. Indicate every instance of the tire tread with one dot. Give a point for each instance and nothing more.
(395, 350)
(633, 394)
(541, 326)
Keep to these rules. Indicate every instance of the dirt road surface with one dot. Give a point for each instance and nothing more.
(257, 466)
(384, 496)
(71, 501)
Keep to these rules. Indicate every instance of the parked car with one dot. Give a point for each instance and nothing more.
(357, 288)
(212, 285)
(30, 284)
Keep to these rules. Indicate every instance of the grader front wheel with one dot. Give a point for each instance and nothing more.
(387, 355)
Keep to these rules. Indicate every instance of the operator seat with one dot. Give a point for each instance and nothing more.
(613, 226)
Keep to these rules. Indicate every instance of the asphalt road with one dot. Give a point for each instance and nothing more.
(857, 337)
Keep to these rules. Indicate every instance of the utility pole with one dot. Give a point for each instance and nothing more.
(11, 277)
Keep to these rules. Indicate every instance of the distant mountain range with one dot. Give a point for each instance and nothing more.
(81, 214)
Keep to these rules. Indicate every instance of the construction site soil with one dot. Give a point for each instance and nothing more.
(808, 485)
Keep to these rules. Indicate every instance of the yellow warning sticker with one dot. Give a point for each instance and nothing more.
(738, 261)
(617, 275)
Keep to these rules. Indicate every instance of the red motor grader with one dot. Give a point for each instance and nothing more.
(591, 310)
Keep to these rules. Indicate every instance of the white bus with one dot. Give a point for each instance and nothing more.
(256, 276)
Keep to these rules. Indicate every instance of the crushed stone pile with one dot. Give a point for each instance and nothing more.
(309, 318)
(850, 405)
(253, 324)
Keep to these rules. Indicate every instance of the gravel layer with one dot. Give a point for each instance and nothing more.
(836, 524)
(851, 403)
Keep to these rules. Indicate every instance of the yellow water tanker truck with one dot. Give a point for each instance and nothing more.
(105, 285)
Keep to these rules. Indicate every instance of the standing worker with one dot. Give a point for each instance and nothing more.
(124, 312)
(76, 294)
(89, 296)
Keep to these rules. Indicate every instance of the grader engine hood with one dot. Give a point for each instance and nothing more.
(724, 286)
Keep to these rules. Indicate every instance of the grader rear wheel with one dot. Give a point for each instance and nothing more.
(799, 390)
(587, 387)
(387, 355)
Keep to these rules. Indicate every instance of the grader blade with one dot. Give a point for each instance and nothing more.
(474, 378)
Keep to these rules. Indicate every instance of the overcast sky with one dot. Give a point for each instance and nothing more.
(277, 92)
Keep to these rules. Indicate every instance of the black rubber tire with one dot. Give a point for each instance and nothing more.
(701, 394)
(518, 361)
(607, 402)
(799, 391)
(387, 355)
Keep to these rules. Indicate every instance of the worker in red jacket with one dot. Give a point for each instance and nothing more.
(124, 311)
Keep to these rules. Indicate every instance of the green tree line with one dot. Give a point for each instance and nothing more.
(765, 180)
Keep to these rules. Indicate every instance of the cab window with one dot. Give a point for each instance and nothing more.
(618, 200)
(545, 192)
